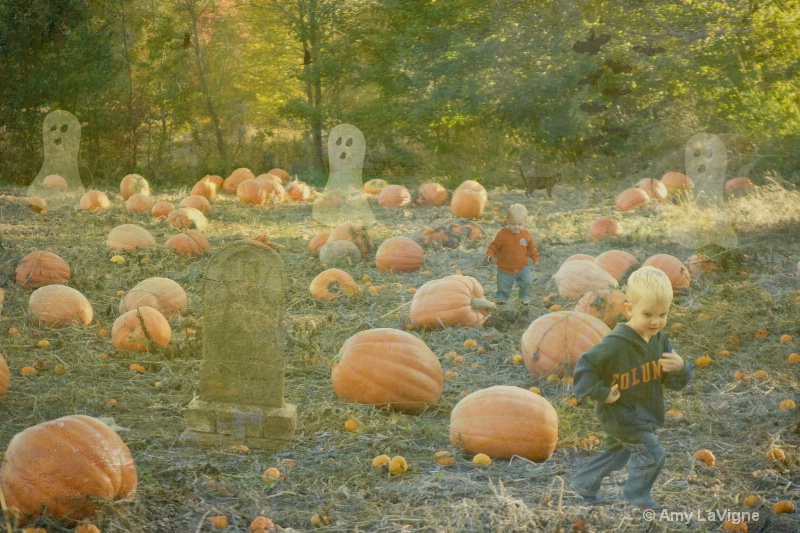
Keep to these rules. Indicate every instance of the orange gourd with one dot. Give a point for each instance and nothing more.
(633, 198)
(469, 200)
(239, 175)
(605, 304)
(67, 466)
(58, 305)
(162, 294)
(388, 368)
(394, 196)
(129, 238)
(93, 200)
(132, 184)
(504, 421)
(37, 269)
(603, 228)
(452, 301)
(618, 263)
(197, 201)
(321, 284)
(140, 330)
(554, 341)
(399, 254)
(675, 270)
(574, 278)
(432, 194)
(190, 243)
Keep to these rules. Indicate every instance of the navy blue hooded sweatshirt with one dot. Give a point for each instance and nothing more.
(623, 358)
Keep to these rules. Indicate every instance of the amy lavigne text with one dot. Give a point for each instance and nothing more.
(686, 517)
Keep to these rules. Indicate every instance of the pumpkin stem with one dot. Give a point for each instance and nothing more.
(478, 303)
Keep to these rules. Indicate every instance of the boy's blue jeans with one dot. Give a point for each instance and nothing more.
(643, 454)
(505, 282)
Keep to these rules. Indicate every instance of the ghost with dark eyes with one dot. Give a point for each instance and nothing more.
(343, 199)
(59, 181)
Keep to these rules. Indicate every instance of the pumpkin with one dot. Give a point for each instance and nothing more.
(469, 200)
(132, 184)
(320, 285)
(162, 294)
(186, 218)
(232, 182)
(555, 341)
(252, 192)
(358, 235)
(36, 204)
(603, 228)
(579, 257)
(298, 190)
(675, 270)
(738, 186)
(140, 330)
(37, 269)
(273, 189)
(388, 368)
(375, 186)
(57, 305)
(261, 524)
(205, 187)
(677, 182)
(444, 458)
(87, 528)
(618, 263)
(282, 174)
(197, 201)
(65, 466)
(701, 264)
(783, 506)
(575, 278)
(5, 376)
(94, 199)
(162, 209)
(631, 199)
(339, 253)
(463, 229)
(605, 304)
(55, 182)
(399, 254)
(451, 301)
(481, 459)
(504, 421)
(129, 238)
(394, 196)
(216, 180)
(734, 526)
(706, 456)
(432, 194)
(138, 203)
(317, 242)
(654, 188)
(190, 243)
(398, 465)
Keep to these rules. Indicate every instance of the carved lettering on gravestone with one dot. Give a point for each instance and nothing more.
(242, 376)
(61, 136)
(343, 199)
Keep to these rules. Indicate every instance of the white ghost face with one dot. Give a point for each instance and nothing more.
(61, 132)
(346, 147)
(706, 163)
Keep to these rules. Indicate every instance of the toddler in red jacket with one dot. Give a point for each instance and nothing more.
(512, 247)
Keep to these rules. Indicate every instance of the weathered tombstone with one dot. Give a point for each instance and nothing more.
(240, 399)
(343, 199)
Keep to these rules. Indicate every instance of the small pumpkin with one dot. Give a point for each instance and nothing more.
(399, 254)
(469, 200)
(129, 238)
(605, 304)
(618, 263)
(503, 421)
(87, 528)
(738, 186)
(632, 199)
(58, 305)
(55, 182)
(444, 458)
(186, 218)
(138, 203)
(66, 466)
(197, 201)
(163, 294)
(706, 456)
(394, 196)
(37, 269)
(675, 270)
(219, 521)
(554, 341)
(375, 186)
(654, 188)
(783, 507)
(140, 330)
(321, 284)
(205, 187)
(161, 209)
(677, 182)
(603, 228)
(5, 376)
(451, 301)
(132, 184)
(575, 278)
(92, 200)
(261, 524)
(390, 368)
(317, 242)
(239, 175)
(398, 465)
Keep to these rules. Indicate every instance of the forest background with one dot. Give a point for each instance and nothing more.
(445, 90)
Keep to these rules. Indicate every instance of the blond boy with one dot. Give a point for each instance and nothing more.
(513, 246)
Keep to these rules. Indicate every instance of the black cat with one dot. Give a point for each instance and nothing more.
(540, 182)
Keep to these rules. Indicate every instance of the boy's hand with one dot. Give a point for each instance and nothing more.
(671, 362)
(613, 396)
(488, 258)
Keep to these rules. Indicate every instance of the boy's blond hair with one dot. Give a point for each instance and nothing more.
(517, 211)
(648, 284)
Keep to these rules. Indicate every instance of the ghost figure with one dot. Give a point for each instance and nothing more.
(61, 135)
(343, 199)
(706, 223)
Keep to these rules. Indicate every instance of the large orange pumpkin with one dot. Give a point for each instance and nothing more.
(433, 194)
(394, 196)
(186, 218)
(469, 200)
(321, 284)
(605, 304)
(58, 305)
(129, 238)
(357, 234)
(554, 342)
(617, 263)
(574, 278)
(452, 301)
(197, 201)
(5, 376)
(504, 421)
(252, 192)
(738, 186)
(273, 189)
(631, 199)
(162, 209)
(216, 180)
(673, 267)
(41, 268)
(677, 182)
(317, 242)
(578, 257)
(66, 467)
(162, 294)
(140, 330)
(603, 228)
(399, 254)
(232, 182)
(390, 368)
(138, 203)
(132, 184)
(654, 188)
(94, 199)
(205, 187)
(282, 174)
(190, 243)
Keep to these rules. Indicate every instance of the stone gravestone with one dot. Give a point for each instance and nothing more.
(240, 400)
